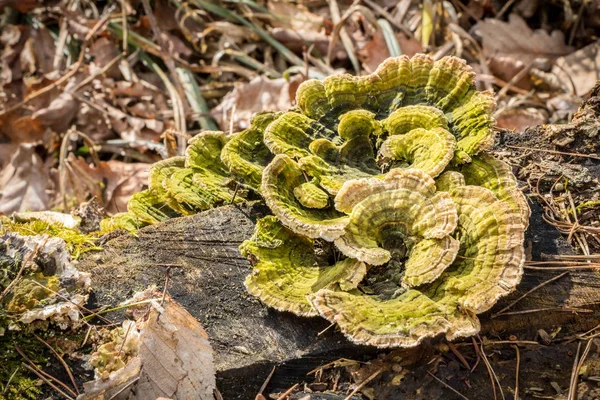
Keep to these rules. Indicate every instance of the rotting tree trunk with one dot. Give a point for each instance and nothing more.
(207, 277)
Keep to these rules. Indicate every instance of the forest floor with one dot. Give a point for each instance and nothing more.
(92, 93)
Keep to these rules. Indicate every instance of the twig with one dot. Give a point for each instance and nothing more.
(517, 372)
(458, 355)
(363, 383)
(326, 329)
(287, 392)
(47, 381)
(528, 293)
(569, 267)
(43, 375)
(61, 360)
(164, 294)
(462, 396)
(266, 382)
(520, 75)
(503, 9)
(124, 339)
(98, 73)
(567, 309)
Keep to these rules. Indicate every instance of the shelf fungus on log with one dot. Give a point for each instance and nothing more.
(489, 265)
(290, 267)
(389, 218)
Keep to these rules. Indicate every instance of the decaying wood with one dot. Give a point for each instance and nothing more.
(207, 274)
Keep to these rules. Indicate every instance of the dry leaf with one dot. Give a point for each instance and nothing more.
(23, 129)
(296, 17)
(104, 51)
(59, 114)
(112, 182)
(581, 67)
(24, 182)
(513, 45)
(259, 94)
(174, 358)
(372, 52)
(521, 118)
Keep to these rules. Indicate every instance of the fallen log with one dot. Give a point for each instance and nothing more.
(197, 258)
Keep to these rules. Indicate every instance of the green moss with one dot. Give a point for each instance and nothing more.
(77, 243)
(27, 294)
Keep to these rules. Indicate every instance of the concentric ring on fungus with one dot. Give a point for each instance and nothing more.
(389, 219)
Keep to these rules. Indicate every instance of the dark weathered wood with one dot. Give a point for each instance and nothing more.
(207, 275)
(207, 279)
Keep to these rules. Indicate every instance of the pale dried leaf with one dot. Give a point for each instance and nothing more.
(255, 96)
(295, 17)
(517, 45)
(24, 182)
(113, 182)
(581, 67)
(521, 118)
(59, 114)
(174, 359)
(517, 40)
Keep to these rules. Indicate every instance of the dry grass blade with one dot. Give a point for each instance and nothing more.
(363, 384)
(343, 35)
(194, 97)
(528, 293)
(61, 360)
(178, 110)
(518, 354)
(223, 12)
(577, 367)
(390, 38)
(573, 385)
(462, 396)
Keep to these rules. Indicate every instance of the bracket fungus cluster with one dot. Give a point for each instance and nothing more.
(389, 218)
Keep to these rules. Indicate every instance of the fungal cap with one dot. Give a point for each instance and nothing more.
(496, 175)
(281, 177)
(404, 321)
(287, 269)
(150, 208)
(404, 204)
(245, 154)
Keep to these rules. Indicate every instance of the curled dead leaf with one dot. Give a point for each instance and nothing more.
(24, 182)
(255, 96)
